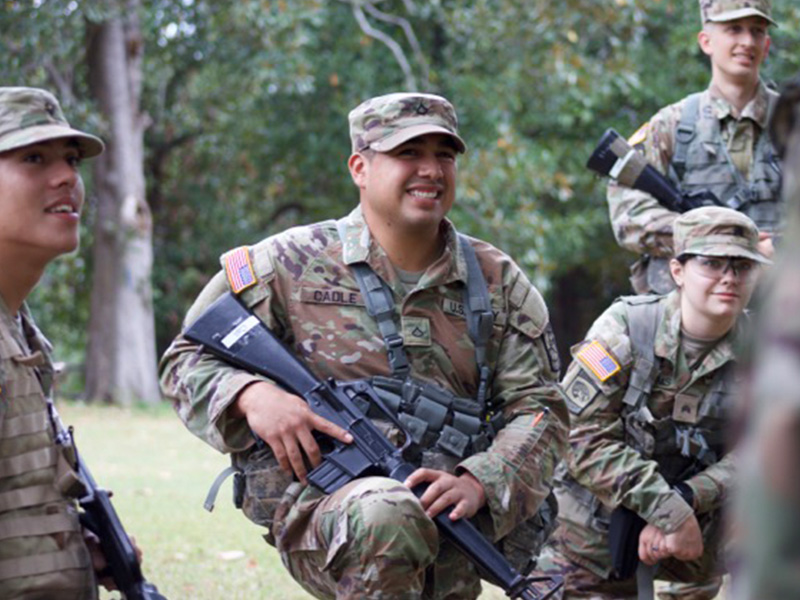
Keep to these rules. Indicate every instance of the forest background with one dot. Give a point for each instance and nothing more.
(226, 122)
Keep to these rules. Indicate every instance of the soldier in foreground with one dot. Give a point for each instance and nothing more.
(768, 519)
(715, 140)
(312, 286)
(650, 395)
(44, 552)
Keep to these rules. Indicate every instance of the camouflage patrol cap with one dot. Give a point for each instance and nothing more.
(716, 231)
(31, 115)
(718, 11)
(384, 122)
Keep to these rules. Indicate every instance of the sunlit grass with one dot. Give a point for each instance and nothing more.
(160, 475)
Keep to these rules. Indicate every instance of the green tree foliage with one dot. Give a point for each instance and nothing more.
(248, 103)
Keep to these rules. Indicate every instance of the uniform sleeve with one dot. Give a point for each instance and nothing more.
(712, 486)
(639, 222)
(201, 387)
(517, 469)
(600, 460)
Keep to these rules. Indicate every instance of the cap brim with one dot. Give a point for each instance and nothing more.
(732, 15)
(90, 145)
(408, 133)
(728, 252)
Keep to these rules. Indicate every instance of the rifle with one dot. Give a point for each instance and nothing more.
(232, 333)
(616, 158)
(100, 518)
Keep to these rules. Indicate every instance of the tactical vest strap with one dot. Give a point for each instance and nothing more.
(380, 306)
(29, 461)
(38, 525)
(684, 134)
(26, 424)
(29, 496)
(43, 563)
(480, 318)
(643, 320)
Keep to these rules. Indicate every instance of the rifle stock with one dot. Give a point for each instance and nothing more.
(614, 157)
(232, 333)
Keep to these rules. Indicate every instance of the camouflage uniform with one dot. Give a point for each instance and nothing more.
(371, 538)
(42, 552)
(768, 523)
(606, 467)
(640, 223)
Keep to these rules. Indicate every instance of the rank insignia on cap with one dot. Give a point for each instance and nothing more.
(599, 362)
(239, 269)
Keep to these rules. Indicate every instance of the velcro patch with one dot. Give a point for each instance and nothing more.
(598, 361)
(416, 331)
(239, 269)
(453, 307)
(342, 297)
(580, 392)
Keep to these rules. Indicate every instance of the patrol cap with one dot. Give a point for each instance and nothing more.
(719, 11)
(384, 122)
(31, 115)
(716, 231)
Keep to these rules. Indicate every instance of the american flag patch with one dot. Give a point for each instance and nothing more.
(599, 362)
(239, 269)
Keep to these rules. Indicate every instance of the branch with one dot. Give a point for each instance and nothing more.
(410, 35)
(400, 57)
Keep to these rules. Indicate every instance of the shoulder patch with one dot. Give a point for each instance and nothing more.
(239, 269)
(640, 135)
(598, 361)
(552, 349)
(579, 391)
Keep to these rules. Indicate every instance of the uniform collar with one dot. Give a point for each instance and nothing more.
(360, 246)
(669, 339)
(756, 110)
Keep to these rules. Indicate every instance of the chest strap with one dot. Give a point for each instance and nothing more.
(643, 320)
(477, 306)
(684, 134)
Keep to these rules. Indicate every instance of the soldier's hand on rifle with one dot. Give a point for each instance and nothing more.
(285, 423)
(99, 562)
(463, 492)
(686, 542)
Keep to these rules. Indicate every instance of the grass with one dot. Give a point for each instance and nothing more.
(160, 474)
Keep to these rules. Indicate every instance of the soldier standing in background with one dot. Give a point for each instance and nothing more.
(714, 140)
(650, 392)
(316, 287)
(44, 551)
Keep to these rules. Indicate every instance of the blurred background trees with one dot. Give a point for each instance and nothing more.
(243, 111)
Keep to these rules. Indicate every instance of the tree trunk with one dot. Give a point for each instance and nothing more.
(121, 357)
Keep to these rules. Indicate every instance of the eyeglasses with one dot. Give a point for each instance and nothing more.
(715, 268)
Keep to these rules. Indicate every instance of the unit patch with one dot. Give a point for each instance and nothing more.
(239, 269)
(580, 392)
(327, 295)
(416, 331)
(598, 361)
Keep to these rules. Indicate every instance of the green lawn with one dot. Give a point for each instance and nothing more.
(160, 474)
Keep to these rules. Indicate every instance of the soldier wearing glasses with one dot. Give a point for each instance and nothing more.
(650, 395)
